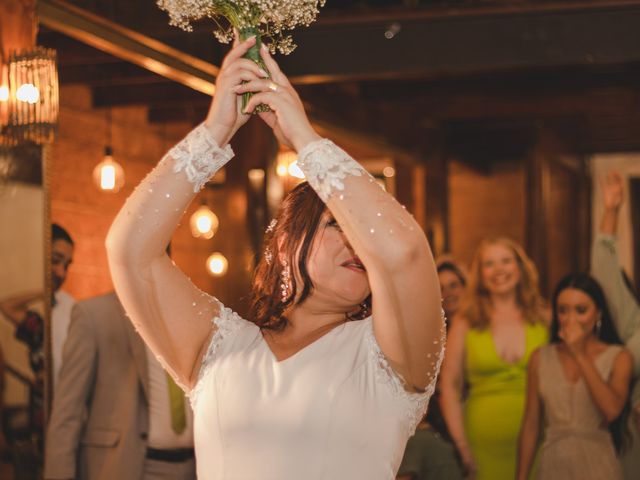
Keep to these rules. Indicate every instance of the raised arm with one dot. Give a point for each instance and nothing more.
(608, 394)
(393, 248)
(171, 314)
(605, 268)
(15, 308)
(530, 429)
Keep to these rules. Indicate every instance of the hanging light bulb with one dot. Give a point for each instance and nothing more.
(217, 264)
(204, 223)
(4, 93)
(295, 171)
(28, 93)
(108, 175)
(283, 161)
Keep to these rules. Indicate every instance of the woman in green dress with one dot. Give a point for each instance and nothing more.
(502, 321)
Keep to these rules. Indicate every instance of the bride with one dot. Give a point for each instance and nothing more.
(333, 369)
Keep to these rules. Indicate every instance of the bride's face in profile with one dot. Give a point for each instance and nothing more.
(337, 273)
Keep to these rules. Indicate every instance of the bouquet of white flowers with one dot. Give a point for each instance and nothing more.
(262, 18)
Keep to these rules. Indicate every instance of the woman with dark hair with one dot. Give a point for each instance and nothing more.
(302, 389)
(452, 284)
(580, 384)
(623, 301)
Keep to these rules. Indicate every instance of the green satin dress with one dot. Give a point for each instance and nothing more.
(496, 400)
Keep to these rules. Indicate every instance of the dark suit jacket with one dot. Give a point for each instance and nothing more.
(99, 422)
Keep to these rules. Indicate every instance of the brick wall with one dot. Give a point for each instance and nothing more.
(87, 213)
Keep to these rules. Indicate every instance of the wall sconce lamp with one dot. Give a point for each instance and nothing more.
(29, 97)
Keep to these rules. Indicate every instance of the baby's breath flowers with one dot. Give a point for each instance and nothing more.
(272, 19)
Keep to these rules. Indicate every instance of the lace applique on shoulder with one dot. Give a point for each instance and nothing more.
(227, 324)
(416, 402)
(200, 156)
(325, 166)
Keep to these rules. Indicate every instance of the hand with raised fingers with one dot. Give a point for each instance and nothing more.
(287, 117)
(224, 118)
(612, 191)
(574, 336)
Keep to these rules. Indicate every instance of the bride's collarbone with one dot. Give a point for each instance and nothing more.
(287, 343)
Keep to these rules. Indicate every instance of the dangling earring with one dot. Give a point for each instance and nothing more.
(598, 326)
(285, 281)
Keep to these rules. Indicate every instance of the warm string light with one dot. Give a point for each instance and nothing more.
(28, 93)
(389, 172)
(217, 264)
(287, 165)
(108, 175)
(204, 223)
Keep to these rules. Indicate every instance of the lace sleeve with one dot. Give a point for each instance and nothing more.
(393, 249)
(199, 155)
(415, 402)
(170, 312)
(325, 166)
(227, 323)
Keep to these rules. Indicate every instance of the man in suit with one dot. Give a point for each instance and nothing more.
(116, 414)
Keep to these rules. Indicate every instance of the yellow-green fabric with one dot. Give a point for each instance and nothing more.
(495, 401)
(176, 405)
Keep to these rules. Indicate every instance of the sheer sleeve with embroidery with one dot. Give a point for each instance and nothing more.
(407, 316)
(171, 314)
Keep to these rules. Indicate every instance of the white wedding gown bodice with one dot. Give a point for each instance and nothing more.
(333, 411)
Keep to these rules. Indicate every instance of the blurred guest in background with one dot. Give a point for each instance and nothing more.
(452, 283)
(624, 305)
(502, 320)
(62, 248)
(116, 414)
(29, 323)
(579, 385)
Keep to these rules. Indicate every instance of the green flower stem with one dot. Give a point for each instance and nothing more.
(253, 54)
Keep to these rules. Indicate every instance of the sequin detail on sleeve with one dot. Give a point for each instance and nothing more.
(200, 156)
(227, 323)
(325, 166)
(416, 403)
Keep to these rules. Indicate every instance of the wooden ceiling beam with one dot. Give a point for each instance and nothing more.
(354, 16)
(466, 44)
(128, 45)
(159, 94)
(193, 113)
(120, 74)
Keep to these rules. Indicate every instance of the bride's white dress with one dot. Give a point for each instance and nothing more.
(334, 410)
